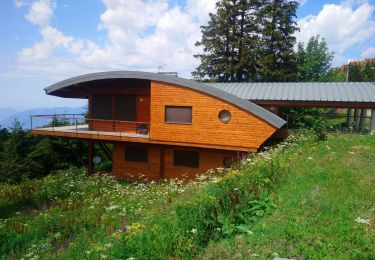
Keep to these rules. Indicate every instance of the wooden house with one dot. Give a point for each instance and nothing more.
(162, 126)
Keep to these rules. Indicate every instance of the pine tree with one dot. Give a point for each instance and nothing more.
(314, 61)
(229, 42)
(354, 73)
(278, 61)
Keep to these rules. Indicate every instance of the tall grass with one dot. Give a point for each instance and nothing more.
(72, 215)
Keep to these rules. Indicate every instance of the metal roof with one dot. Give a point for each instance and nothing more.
(215, 92)
(358, 92)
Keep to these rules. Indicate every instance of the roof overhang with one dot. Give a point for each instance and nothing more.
(66, 87)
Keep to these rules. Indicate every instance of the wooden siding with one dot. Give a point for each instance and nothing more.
(158, 167)
(243, 131)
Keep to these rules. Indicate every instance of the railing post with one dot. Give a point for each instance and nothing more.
(76, 125)
(31, 122)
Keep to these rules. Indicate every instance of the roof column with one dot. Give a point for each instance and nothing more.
(357, 113)
(362, 121)
(350, 117)
(372, 124)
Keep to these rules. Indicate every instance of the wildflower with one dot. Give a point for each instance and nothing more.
(362, 221)
(255, 255)
(108, 245)
(131, 258)
(194, 231)
(310, 158)
(351, 152)
(88, 252)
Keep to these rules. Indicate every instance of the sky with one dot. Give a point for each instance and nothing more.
(45, 41)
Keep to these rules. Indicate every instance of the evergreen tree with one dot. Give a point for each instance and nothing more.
(354, 73)
(368, 72)
(230, 42)
(278, 61)
(314, 61)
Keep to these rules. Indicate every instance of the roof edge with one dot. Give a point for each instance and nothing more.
(201, 87)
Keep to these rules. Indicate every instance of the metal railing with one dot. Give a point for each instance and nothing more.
(76, 121)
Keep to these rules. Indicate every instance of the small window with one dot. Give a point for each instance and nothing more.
(136, 153)
(178, 115)
(224, 116)
(228, 162)
(186, 158)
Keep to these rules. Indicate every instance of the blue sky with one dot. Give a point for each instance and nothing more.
(45, 41)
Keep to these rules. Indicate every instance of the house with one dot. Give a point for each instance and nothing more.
(162, 126)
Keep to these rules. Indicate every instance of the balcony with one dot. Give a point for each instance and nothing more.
(77, 126)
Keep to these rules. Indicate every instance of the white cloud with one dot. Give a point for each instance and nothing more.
(40, 13)
(343, 26)
(141, 35)
(302, 2)
(369, 53)
(19, 3)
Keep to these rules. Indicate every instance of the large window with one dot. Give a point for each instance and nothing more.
(102, 106)
(186, 158)
(178, 115)
(136, 153)
(125, 108)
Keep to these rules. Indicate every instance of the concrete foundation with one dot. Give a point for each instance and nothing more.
(372, 123)
(350, 117)
(362, 121)
(357, 113)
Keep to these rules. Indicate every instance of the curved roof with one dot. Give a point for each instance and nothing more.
(244, 104)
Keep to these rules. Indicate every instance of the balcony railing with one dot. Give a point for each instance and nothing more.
(79, 123)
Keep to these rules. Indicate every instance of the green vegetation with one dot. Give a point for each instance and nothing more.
(300, 199)
(326, 210)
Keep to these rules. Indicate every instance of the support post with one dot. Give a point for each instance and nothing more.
(162, 167)
(90, 156)
(362, 122)
(357, 113)
(350, 117)
(372, 123)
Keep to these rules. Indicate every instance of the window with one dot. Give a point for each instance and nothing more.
(186, 158)
(125, 108)
(102, 106)
(136, 153)
(178, 115)
(224, 116)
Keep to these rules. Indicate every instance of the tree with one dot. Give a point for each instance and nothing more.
(368, 72)
(354, 73)
(229, 42)
(314, 61)
(277, 59)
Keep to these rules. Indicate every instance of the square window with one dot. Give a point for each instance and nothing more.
(136, 153)
(178, 114)
(186, 158)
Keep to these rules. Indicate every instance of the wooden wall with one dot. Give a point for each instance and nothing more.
(243, 130)
(152, 170)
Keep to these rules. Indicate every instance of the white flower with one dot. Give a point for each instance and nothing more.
(194, 231)
(255, 255)
(351, 152)
(362, 221)
(310, 158)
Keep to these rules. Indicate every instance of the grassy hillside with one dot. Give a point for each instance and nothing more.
(303, 199)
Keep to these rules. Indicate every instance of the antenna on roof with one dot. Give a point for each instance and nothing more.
(172, 74)
(160, 67)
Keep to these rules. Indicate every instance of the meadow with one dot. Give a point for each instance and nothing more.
(302, 198)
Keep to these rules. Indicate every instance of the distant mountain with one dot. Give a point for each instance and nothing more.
(6, 112)
(24, 116)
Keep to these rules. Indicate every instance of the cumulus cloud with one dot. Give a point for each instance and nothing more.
(141, 35)
(40, 13)
(343, 26)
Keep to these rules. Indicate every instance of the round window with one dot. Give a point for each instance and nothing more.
(224, 116)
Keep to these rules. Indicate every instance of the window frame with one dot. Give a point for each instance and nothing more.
(127, 159)
(195, 166)
(178, 123)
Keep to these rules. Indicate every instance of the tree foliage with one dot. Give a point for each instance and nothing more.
(249, 40)
(314, 60)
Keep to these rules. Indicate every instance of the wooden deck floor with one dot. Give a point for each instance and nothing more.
(82, 131)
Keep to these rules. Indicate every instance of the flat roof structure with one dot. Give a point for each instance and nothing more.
(325, 94)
